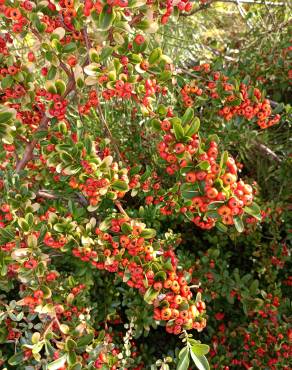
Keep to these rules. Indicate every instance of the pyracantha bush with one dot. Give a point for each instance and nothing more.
(111, 173)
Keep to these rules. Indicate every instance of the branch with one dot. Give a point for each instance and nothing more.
(273, 103)
(46, 194)
(258, 2)
(267, 152)
(70, 87)
(109, 132)
(207, 5)
(88, 45)
(136, 19)
(65, 69)
(121, 209)
(28, 153)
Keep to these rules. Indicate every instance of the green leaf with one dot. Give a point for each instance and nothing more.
(106, 52)
(214, 137)
(68, 48)
(178, 130)
(148, 233)
(134, 170)
(38, 347)
(188, 116)
(23, 224)
(200, 349)
(72, 170)
(279, 108)
(223, 159)
(106, 17)
(60, 87)
(215, 205)
(150, 295)
(71, 358)
(120, 185)
(184, 359)
(143, 25)
(55, 365)
(32, 241)
(155, 123)
(7, 82)
(238, 224)
(162, 110)
(246, 80)
(3, 334)
(212, 214)
(165, 76)
(84, 340)
(235, 102)
(104, 225)
(52, 73)
(254, 287)
(29, 219)
(204, 165)
(5, 116)
(77, 366)
(155, 56)
(194, 128)
(16, 359)
(221, 227)
(6, 234)
(253, 210)
(200, 361)
(126, 228)
(189, 191)
(160, 276)
(60, 228)
(168, 265)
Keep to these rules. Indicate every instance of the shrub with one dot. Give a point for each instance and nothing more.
(125, 224)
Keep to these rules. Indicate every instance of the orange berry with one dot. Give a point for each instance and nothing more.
(166, 314)
(167, 284)
(224, 211)
(229, 179)
(212, 193)
(191, 177)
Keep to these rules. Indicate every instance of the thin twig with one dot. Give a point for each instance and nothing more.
(267, 152)
(207, 5)
(28, 153)
(102, 118)
(65, 69)
(88, 45)
(46, 194)
(121, 209)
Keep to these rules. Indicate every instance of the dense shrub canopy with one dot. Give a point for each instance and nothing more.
(145, 178)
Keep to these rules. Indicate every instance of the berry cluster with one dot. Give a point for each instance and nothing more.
(5, 215)
(260, 110)
(92, 102)
(245, 101)
(3, 47)
(182, 6)
(154, 273)
(58, 105)
(15, 16)
(96, 189)
(209, 189)
(122, 89)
